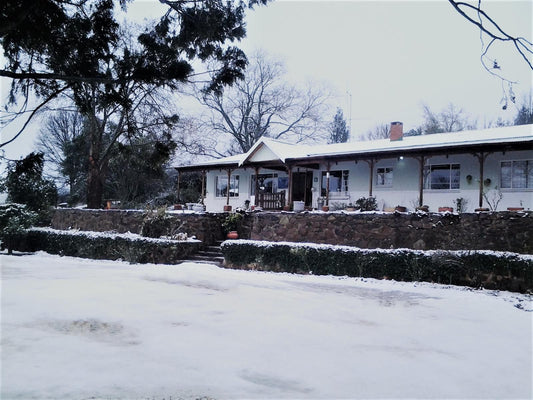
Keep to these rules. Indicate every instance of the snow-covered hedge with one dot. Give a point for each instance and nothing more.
(105, 245)
(488, 269)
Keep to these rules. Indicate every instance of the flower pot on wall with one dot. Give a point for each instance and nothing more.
(232, 235)
(177, 206)
(481, 209)
(325, 208)
(445, 209)
(227, 208)
(423, 208)
(400, 209)
(515, 209)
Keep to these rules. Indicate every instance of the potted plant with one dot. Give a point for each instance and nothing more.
(231, 225)
(423, 208)
(400, 209)
(515, 209)
(325, 208)
(227, 208)
(445, 209)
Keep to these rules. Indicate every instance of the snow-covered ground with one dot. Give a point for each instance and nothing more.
(80, 329)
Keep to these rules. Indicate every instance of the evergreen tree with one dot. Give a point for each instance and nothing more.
(339, 133)
(525, 112)
(25, 184)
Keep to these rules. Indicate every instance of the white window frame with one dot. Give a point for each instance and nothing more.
(528, 175)
(382, 183)
(341, 192)
(429, 185)
(233, 186)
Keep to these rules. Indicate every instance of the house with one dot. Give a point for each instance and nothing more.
(485, 168)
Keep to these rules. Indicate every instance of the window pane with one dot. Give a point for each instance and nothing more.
(440, 177)
(506, 174)
(455, 176)
(222, 186)
(335, 182)
(519, 174)
(384, 177)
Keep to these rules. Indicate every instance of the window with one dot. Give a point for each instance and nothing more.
(338, 182)
(516, 174)
(384, 175)
(222, 186)
(267, 183)
(442, 176)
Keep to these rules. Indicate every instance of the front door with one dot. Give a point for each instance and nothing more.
(302, 183)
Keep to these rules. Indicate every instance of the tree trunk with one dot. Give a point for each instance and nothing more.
(95, 186)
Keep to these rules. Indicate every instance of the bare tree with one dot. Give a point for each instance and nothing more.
(490, 32)
(380, 131)
(450, 119)
(263, 104)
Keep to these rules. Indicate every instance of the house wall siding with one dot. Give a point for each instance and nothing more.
(404, 189)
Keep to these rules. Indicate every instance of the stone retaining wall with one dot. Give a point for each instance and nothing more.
(502, 231)
(206, 227)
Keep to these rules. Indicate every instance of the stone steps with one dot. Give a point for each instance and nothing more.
(209, 255)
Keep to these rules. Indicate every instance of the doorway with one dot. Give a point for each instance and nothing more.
(302, 183)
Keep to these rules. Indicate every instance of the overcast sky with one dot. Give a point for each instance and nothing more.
(391, 56)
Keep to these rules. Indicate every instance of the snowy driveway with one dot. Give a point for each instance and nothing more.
(79, 329)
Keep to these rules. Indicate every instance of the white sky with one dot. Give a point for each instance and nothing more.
(392, 56)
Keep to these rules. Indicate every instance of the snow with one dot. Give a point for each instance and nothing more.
(78, 329)
(112, 235)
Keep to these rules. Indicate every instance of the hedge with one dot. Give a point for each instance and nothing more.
(476, 268)
(107, 246)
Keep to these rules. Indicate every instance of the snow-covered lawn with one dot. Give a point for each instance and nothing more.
(80, 329)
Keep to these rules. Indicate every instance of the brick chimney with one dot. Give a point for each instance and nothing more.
(396, 131)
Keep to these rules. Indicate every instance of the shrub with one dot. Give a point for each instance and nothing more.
(491, 270)
(366, 204)
(14, 220)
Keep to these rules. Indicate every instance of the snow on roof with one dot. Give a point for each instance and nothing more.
(465, 138)
(283, 151)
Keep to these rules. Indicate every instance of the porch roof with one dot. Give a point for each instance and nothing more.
(279, 153)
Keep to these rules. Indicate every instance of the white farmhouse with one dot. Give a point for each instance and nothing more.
(485, 168)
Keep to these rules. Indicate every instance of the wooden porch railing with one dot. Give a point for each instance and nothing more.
(271, 201)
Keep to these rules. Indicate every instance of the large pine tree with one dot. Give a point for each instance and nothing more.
(339, 133)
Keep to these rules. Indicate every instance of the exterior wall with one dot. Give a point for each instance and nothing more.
(503, 231)
(404, 190)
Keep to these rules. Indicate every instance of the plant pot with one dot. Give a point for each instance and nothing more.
(423, 208)
(286, 208)
(515, 209)
(177, 206)
(445, 209)
(232, 235)
(349, 209)
(325, 208)
(227, 208)
(481, 209)
(400, 209)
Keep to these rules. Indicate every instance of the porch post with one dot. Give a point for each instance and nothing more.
(228, 189)
(327, 183)
(178, 186)
(481, 156)
(371, 177)
(289, 172)
(203, 186)
(421, 161)
(256, 200)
